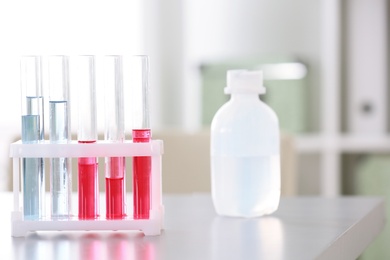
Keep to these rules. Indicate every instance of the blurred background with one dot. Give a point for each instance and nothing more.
(325, 65)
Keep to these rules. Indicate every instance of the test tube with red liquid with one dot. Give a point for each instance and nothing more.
(88, 185)
(141, 133)
(114, 132)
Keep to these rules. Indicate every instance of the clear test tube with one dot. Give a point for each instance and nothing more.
(141, 133)
(59, 109)
(32, 132)
(83, 68)
(114, 132)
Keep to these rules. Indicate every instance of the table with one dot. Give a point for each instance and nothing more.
(302, 228)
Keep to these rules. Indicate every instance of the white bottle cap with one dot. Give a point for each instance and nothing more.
(244, 81)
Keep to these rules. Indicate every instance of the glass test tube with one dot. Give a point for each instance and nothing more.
(32, 132)
(59, 108)
(141, 134)
(114, 132)
(88, 185)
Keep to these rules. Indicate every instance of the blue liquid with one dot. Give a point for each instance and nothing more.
(33, 171)
(60, 168)
(245, 186)
(35, 107)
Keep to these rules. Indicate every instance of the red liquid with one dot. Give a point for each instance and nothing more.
(115, 189)
(141, 177)
(88, 187)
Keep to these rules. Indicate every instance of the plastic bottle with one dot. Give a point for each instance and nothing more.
(245, 161)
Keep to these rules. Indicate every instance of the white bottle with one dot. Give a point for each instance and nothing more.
(245, 161)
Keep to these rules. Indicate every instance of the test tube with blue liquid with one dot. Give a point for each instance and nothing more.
(141, 133)
(33, 177)
(114, 132)
(88, 184)
(59, 109)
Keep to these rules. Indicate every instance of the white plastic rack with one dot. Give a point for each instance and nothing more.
(150, 227)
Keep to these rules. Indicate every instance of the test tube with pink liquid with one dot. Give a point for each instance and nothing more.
(141, 133)
(88, 185)
(115, 167)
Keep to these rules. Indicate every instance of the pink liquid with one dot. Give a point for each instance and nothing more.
(88, 187)
(115, 189)
(141, 177)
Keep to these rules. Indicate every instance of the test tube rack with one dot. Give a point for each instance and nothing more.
(150, 227)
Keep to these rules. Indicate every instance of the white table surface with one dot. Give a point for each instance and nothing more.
(302, 228)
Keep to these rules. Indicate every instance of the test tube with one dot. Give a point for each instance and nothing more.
(32, 132)
(141, 133)
(114, 132)
(88, 185)
(59, 107)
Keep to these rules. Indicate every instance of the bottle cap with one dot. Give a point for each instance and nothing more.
(244, 81)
